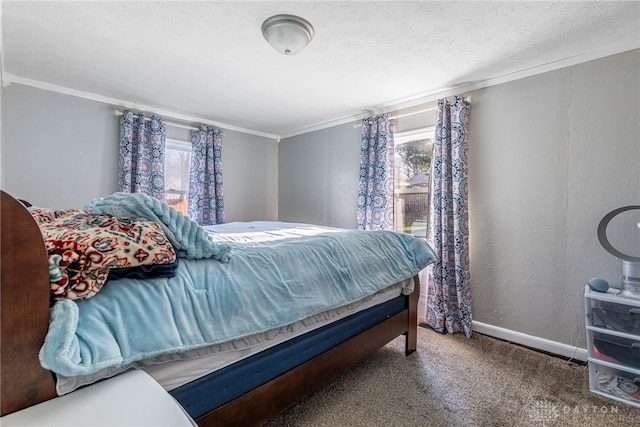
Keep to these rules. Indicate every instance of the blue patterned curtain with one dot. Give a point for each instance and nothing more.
(141, 163)
(206, 204)
(449, 287)
(375, 190)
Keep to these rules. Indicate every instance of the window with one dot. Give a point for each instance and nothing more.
(177, 158)
(412, 157)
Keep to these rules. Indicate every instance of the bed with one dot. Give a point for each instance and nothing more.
(284, 365)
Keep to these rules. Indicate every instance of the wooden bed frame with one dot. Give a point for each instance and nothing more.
(24, 320)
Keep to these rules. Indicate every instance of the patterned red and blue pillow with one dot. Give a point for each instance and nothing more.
(87, 249)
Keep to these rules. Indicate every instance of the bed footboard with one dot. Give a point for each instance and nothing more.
(257, 406)
(411, 343)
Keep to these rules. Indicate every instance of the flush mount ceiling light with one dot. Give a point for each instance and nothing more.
(288, 34)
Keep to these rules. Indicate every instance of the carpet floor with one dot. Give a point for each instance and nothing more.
(454, 381)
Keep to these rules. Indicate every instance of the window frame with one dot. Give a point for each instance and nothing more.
(403, 138)
(177, 145)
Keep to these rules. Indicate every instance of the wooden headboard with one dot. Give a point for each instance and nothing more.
(24, 315)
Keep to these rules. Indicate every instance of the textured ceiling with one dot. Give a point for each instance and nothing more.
(209, 60)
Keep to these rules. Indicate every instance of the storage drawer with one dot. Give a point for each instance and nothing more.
(616, 316)
(615, 383)
(615, 349)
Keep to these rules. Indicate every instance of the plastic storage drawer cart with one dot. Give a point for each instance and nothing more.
(613, 344)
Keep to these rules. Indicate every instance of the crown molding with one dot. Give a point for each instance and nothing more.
(426, 97)
(390, 107)
(10, 78)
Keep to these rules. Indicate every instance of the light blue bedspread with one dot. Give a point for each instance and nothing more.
(278, 274)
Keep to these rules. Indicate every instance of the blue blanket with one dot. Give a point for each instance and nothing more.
(189, 239)
(275, 277)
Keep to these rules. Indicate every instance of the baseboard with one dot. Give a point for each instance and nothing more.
(531, 341)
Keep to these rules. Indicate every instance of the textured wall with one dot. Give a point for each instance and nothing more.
(318, 171)
(58, 151)
(62, 151)
(549, 156)
(318, 177)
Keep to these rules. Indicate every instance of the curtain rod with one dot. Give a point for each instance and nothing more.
(413, 113)
(426, 110)
(172, 124)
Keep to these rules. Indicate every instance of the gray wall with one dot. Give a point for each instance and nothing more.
(318, 177)
(61, 151)
(549, 156)
(58, 151)
(319, 172)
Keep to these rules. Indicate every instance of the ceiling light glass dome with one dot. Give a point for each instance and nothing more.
(288, 34)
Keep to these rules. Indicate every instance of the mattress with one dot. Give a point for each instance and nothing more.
(252, 372)
(176, 373)
(176, 370)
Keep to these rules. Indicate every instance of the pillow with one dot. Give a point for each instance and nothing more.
(84, 247)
